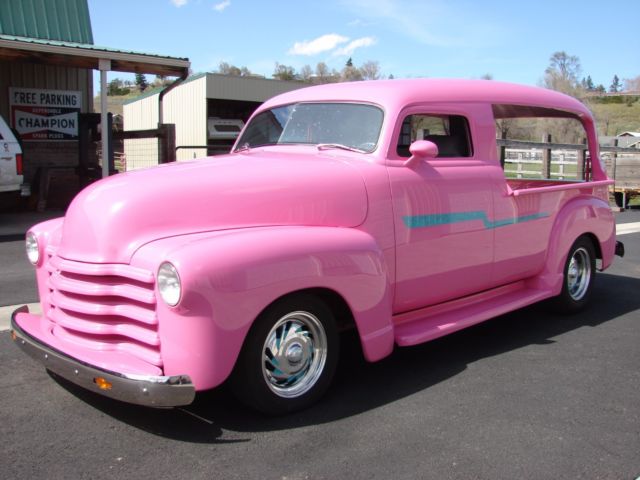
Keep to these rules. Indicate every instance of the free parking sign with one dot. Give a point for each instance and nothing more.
(45, 114)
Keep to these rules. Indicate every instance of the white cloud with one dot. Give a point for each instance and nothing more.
(179, 3)
(321, 44)
(219, 7)
(354, 45)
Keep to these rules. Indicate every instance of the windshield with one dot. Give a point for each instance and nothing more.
(342, 124)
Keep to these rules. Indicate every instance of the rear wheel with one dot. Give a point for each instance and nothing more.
(289, 356)
(579, 274)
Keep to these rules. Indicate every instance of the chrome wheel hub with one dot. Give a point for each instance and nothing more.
(579, 274)
(294, 354)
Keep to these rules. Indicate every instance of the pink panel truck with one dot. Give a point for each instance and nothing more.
(380, 206)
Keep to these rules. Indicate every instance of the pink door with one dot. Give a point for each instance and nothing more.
(443, 233)
(443, 210)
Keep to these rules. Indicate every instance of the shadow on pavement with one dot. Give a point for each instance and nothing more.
(360, 386)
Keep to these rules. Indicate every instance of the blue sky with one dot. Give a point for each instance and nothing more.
(511, 40)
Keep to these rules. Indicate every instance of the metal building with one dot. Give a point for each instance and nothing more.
(207, 109)
(47, 58)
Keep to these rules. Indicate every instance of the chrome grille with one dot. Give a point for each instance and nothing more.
(106, 307)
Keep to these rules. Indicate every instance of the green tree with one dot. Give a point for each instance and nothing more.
(141, 82)
(615, 86)
(587, 84)
(117, 88)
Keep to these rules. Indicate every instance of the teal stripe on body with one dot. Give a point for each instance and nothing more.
(422, 221)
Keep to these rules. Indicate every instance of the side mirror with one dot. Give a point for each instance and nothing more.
(421, 150)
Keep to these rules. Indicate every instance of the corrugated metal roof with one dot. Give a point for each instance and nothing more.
(83, 46)
(84, 55)
(64, 20)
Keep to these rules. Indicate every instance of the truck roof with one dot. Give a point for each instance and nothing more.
(395, 94)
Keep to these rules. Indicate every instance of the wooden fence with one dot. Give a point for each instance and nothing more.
(523, 159)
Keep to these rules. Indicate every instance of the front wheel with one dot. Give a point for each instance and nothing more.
(289, 356)
(579, 274)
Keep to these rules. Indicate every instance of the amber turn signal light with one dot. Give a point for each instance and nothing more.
(14, 337)
(102, 383)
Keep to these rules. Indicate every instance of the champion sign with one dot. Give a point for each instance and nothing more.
(45, 114)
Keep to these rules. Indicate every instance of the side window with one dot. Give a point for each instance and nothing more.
(540, 143)
(449, 132)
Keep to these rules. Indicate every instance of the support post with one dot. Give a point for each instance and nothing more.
(614, 158)
(167, 143)
(546, 158)
(582, 155)
(104, 66)
(112, 165)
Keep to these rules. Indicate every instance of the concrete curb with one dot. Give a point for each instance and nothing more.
(626, 228)
(5, 313)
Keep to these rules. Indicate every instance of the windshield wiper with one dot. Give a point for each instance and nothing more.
(329, 146)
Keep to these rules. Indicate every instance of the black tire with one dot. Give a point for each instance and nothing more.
(299, 335)
(579, 275)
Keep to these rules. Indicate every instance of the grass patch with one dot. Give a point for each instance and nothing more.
(615, 118)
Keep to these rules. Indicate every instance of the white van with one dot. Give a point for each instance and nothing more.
(10, 159)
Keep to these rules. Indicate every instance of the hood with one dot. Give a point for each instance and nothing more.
(108, 221)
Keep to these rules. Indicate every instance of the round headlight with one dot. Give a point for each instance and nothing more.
(169, 284)
(33, 251)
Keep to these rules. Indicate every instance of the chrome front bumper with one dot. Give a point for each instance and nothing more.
(152, 391)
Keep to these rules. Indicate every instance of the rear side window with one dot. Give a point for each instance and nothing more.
(449, 132)
(540, 143)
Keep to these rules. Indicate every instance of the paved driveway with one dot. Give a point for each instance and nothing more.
(528, 395)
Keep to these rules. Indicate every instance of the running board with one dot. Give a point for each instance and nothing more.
(429, 323)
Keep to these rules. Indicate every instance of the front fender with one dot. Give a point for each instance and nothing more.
(230, 277)
(579, 216)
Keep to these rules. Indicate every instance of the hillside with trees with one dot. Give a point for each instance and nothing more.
(616, 109)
